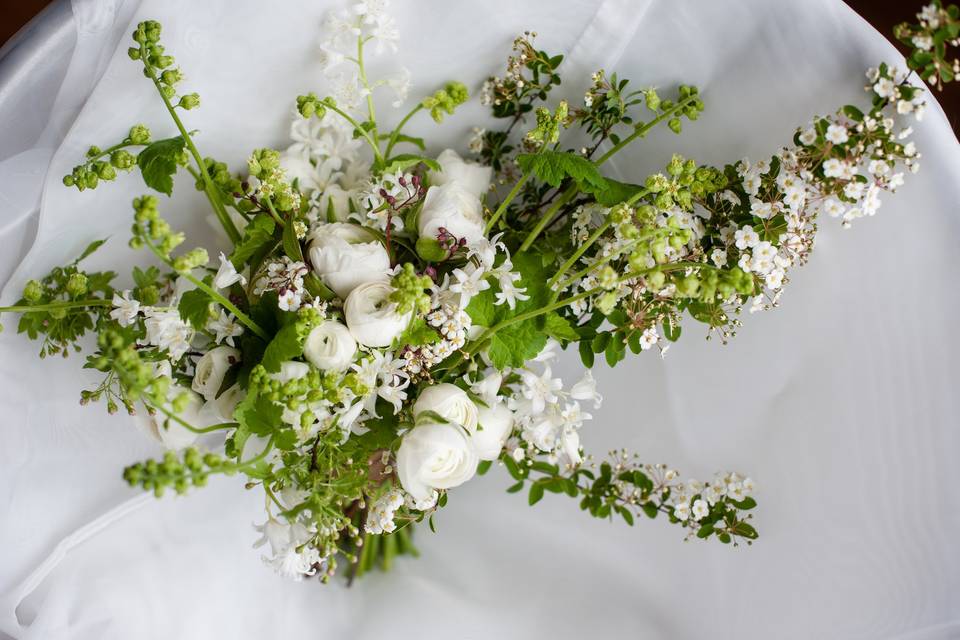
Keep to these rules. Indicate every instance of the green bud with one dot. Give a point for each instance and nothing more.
(458, 92)
(171, 76)
(674, 125)
(122, 159)
(134, 53)
(656, 183)
(652, 99)
(105, 170)
(90, 180)
(607, 302)
(608, 277)
(68, 180)
(94, 151)
(139, 134)
(675, 168)
(77, 285)
(33, 291)
(58, 314)
(189, 101)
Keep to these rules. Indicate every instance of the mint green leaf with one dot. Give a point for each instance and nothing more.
(558, 327)
(158, 163)
(257, 236)
(554, 166)
(482, 310)
(194, 308)
(285, 346)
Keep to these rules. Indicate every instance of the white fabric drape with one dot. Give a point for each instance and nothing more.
(841, 404)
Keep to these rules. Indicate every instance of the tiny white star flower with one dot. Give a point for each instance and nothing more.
(837, 134)
(468, 284)
(227, 275)
(225, 328)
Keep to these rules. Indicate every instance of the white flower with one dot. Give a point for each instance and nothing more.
(649, 338)
(227, 274)
(509, 292)
(226, 403)
(540, 390)
(399, 83)
(833, 168)
(125, 309)
(682, 511)
(330, 347)
(372, 318)
(746, 237)
(922, 42)
(700, 509)
(212, 368)
(468, 284)
(496, 423)
(837, 134)
(719, 257)
(382, 511)
(169, 432)
(450, 402)
(453, 208)
(884, 87)
(586, 389)
(225, 328)
(333, 205)
(808, 137)
(435, 456)
(290, 370)
(166, 330)
(298, 166)
(570, 446)
(346, 256)
(473, 177)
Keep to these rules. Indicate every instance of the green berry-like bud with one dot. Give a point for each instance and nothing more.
(656, 183)
(33, 291)
(68, 180)
(122, 159)
(134, 53)
(171, 76)
(674, 125)
(139, 134)
(652, 99)
(77, 285)
(608, 277)
(105, 170)
(675, 168)
(189, 101)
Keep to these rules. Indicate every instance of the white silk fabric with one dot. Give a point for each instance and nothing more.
(841, 404)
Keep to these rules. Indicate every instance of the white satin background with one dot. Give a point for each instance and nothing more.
(841, 404)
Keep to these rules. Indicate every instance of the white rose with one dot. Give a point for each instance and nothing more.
(335, 200)
(496, 423)
(454, 208)
(211, 370)
(473, 177)
(345, 256)
(435, 456)
(372, 319)
(450, 402)
(227, 402)
(330, 347)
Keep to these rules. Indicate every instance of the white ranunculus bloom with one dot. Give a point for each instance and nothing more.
(297, 166)
(211, 370)
(472, 176)
(372, 318)
(450, 402)
(435, 456)
(334, 200)
(496, 423)
(227, 402)
(330, 347)
(346, 256)
(454, 208)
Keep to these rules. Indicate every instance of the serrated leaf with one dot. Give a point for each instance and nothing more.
(556, 326)
(285, 346)
(613, 192)
(417, 334)
(158, 163)
(553, 167)
(258, 415)
(194, 308)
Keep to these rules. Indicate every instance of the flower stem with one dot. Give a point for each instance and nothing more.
(641, 129)
(66, 304)
(396, 132)
(506, 202)
(547, 218)
(363, 133)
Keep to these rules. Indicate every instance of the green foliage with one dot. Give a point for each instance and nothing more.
(930, 40)
(158, 162)
(417, 334)
(258, 239)
(553, 167)
(194, 308)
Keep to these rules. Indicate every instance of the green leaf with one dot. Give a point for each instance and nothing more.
(586, 354)
(536, 493)
(258, 415)
(316, 287)
(650, 509)
(626, 515)
(417, 334)
(512, 346)
(671, 331)
(417, 142)
(291, 245)
(194, 308)
(158, 163)
(556, 326)
(705, 531)
(514, 488)
(407, 160)
(745, 504)
(484, 466)
(614, 192)
(744, 530)
(553, 167)
(256, 236)
(285, 346)
(93, 246)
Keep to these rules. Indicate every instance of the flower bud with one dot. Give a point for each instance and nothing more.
(139, 134)
(189, 101)
(122, 159)
(77, 285)
(33, 291)
(674, 125)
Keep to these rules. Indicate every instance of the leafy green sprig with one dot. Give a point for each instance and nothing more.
(930, 40)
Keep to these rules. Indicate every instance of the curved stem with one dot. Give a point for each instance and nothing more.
(547, 218)
(366, 85)
(642, 129)
(365, 134)
(580, 251)
(396, 132)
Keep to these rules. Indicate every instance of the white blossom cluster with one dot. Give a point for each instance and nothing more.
(284, 276)
(380, 516)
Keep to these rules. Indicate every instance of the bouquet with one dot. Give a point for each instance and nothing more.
(383, 326)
